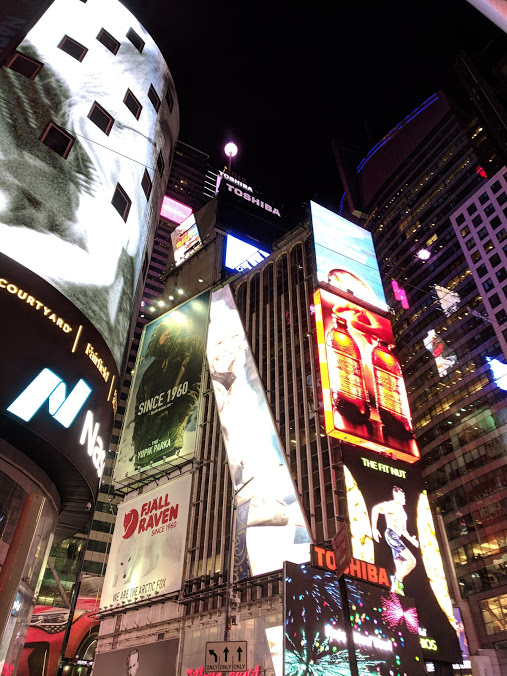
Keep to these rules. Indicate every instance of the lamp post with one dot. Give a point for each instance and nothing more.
(229, 587)
(231, 150)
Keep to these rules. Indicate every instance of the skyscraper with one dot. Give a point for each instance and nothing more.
(423, 190)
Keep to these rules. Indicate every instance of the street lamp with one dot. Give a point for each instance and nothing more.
(231, 150)
(229, 586)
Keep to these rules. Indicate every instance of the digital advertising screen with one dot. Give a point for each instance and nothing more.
(364, 396)
(82, 221)
(276, 529)
(59, 381)
(241, 256)
(148, 547)
(174, 211)
(156, 659)
(384, 627)
(161, 416)
(392, 527)
(185, 240)
(346, 257)
(445, 358)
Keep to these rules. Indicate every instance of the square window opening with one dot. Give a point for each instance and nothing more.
(160, 163)
(136, 40)
(72, 48)
(146, 184)
(169, 100)
(101, 118)
(132, 104)
(57, 139)
(154, 98)
(121, 202)
(108, 41)
(24, 65)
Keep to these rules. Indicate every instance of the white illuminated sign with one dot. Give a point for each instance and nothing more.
(241, 256)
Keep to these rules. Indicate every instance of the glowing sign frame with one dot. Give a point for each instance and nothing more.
(174, 211)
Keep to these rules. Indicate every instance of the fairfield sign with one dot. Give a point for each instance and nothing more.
(361, 570)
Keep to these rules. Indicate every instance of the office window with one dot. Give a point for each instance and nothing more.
(482, 270)
(501, 234)
(489, 210)
(470, 243)
(132, 104)
(501, 274)
(108, 41)
(488, 285)
(135, 39)
(482, 233)
(57, 139)
(488, 246)
(101, 118)
(494, 260)
(484, 198)
(460, 219)
(24, 65)
(472, 209)
(477, 220)
(476, 256)
(153, 96)
(501, 316)
(494, 300)
(146, 184)
(496, 186)
(495, 222)
(160, 163)
(121, 202)
(169, 100)
(72, 48)
(465, 231)
(501, 198)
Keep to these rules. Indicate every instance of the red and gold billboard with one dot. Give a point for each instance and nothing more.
(364, 395)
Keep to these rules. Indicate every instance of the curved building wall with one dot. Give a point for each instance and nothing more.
(458, 411)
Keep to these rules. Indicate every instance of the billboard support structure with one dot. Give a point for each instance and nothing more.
(229, 587)
(348, 628)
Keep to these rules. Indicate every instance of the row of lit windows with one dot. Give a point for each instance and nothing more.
(492, 514)
(494, 614)
(489, 577)
(490, 544)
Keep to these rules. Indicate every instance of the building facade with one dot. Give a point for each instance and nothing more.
(77, 224)
(423, 190)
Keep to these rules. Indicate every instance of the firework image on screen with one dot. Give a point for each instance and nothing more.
(364, 396)
(391, 526)
(384, 626)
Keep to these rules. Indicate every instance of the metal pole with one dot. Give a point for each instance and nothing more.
(229, 587)
(348, 628)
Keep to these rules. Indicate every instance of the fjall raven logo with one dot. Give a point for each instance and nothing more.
(130, 521)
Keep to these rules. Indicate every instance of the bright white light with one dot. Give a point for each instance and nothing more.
(171, 297)
(231, 149)
(152, 309)
(241, 256)
(161, 303)
(423, 254)
(181, 292)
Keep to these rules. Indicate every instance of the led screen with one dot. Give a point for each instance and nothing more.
(276, 528)
(445, 358)
(156, 659)
(161, 417)
(174, 211)
(81, 222)
(384, 626)
(346, 257)
(241, 256)
(148, 546)
(392, 527)
(185, 240)
(364, 396)
(449, 300)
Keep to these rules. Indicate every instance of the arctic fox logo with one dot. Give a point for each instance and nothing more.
(130, 521)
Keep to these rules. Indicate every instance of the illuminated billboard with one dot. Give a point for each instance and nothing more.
(156, 659)
(444, 357)
(161, 416)
(364, 396)
(148, 547)
(80, 195)
(174, 211)
(59, 382)
(384, 627)
(392, 527)
(241, 256)
(185, 240)
(346, 257)
(276, 527)
(449, 300)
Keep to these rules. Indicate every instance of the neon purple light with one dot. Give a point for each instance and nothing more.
(174, 211)
(400, 294)
(231, 149)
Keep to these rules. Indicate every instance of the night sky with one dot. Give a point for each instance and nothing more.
(283, 78)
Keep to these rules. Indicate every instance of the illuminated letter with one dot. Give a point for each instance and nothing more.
(372, 573)
(355, 568)
(330, 560)
(320, 555)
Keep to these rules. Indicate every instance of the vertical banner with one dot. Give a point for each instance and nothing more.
(161, 417)
(364, 395)
(276, 527)
(148, 546)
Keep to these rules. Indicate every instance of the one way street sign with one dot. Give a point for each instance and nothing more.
(225, 656)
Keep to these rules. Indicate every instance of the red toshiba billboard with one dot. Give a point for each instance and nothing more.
(364, 396)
